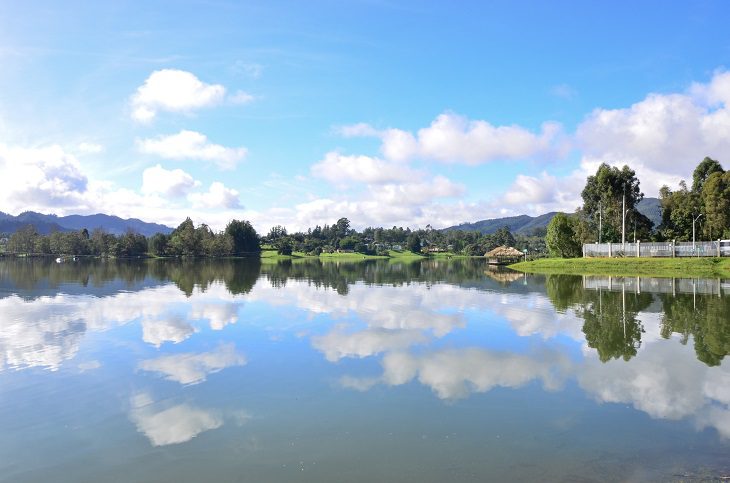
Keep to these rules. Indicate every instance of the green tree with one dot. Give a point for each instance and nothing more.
(157, 244)
(244, 237)
(561, 237)
(414, 243)
(184, 240)
(605, 192)
(703, 171)
(716, 201)
(23, 240)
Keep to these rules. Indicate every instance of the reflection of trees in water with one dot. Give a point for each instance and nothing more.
(238, 275)
(564, 291)
(705, 317)
(611, 325)
(339, 275)
(610, 318)
(32, 273)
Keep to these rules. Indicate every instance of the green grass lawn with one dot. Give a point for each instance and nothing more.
(404, 254)
(272, 256)
(650, 267)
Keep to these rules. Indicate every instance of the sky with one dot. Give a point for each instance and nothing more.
(388, 113)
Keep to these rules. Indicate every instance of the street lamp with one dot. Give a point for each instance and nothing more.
(600, 221)
(693, 230)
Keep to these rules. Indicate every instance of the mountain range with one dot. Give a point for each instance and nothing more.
(46, 224)
(530, 225)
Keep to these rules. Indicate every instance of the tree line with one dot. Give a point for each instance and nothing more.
(238, 238)
(609, 211)
(379, 241)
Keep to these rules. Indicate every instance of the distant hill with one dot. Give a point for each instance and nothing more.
(522, 224)
(652, 209)
(527, 225)
(46, 224)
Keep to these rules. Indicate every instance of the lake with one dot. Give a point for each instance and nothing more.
(423, 371)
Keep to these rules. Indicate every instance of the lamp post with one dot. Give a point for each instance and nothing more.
(600, 221)
(693, 230)
(623, 220)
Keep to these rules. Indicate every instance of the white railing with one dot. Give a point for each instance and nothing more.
(705, 286)
(719, 248)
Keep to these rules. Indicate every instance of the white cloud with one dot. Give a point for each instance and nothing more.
(241, 97)
(42, 333)
(217, 196)
(175, 182)
(38, 178)
(339, 344)
(455, 139)
(218, 314)
(338, 168)
(544, 193)
(173, 425)
(192, 145)
(172, 328)
(174, 91)
(663, 136)
(360, 129)
(398, 145)
(456, 373)
(193, 368)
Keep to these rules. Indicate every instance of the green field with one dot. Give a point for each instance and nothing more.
(649, 267)
(272, 256)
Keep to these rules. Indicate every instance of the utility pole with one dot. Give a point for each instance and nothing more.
(693, 230)
(600, 221)
(623, 221)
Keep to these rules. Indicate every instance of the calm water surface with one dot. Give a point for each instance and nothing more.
(374, 371)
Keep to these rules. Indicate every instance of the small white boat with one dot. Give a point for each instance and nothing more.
(59, 260)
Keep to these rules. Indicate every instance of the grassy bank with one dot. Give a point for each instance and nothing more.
(272, 256)
(649, 267)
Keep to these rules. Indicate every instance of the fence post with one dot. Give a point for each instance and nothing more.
(718, 247)
(673, 248)
(609, 249)
(638, 250)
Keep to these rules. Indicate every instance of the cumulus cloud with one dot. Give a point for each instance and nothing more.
(218, 314)
(192, 145)
(338, 168)
(217, 196)
(455, 139)
(456, 373)
(663, 136)
(173, 328)
(339, 343)
(38, 178)
(173, 425)
(193, 368)
(43, 333)
(174, 91)
(175, 182)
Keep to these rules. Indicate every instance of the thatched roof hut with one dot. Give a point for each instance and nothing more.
(503, 255)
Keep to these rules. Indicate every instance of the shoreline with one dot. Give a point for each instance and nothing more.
(709, 267)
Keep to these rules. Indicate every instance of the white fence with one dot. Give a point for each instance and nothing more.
(705, 286)
(719, 248)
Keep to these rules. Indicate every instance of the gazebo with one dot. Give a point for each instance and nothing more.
(503, 255)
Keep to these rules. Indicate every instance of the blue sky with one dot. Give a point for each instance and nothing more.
(389, 113)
